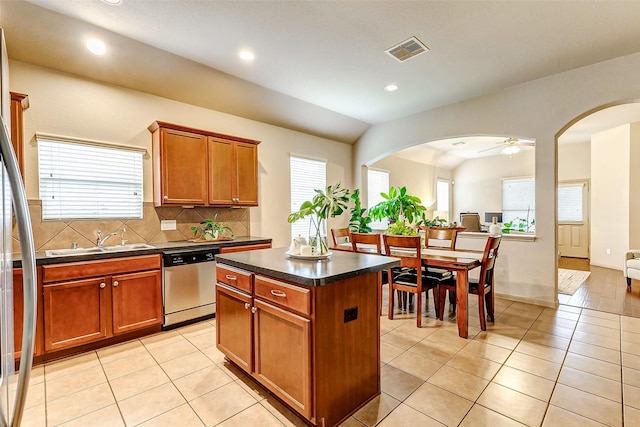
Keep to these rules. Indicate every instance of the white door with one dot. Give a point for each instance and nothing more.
(573, 219)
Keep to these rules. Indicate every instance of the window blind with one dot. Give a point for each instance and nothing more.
(378, 182)
(518, 199)
(306, 176)
(85, 181)
(570, 203)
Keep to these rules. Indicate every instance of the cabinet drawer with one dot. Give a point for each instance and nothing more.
(79, 270)
(293, 297)
(229, 249)
(234, 277)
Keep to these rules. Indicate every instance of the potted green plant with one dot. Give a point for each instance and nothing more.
(398, 204)
(211, 229)
(435, 222)
(359, 222)
(401, 228)
(328, 203)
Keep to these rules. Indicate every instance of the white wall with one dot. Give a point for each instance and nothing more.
(66, 105)
(610, 196)
(574, 161)
(478, 182)
(419, 178)
(634, 187)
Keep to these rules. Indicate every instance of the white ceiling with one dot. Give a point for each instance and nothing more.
(320, 65)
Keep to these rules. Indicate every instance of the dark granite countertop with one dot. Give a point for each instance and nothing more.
(42, 259)
(275, 263)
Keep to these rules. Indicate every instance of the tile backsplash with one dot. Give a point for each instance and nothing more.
(61, 234)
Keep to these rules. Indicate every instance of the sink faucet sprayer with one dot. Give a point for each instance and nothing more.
(100, 241)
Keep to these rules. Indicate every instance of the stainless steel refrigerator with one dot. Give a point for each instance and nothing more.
(13, 390)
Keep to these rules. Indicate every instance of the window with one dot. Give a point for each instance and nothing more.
(570, 203)
(442, 200)
(80, 180)
(519, 200)
(378, 182)
(307, 175)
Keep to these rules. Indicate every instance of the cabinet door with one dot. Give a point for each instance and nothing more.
(233, 325)
(221, 171)
(183, 160)
(246, 175)
(282, 355)
(75, 313)
(137, 301)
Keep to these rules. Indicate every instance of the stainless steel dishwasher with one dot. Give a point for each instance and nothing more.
(188, 293)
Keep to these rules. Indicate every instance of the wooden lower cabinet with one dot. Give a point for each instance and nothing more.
(234, 325)
(81, 310)
(18, 316)
(282, 354)
(137, 301)
(75, 313)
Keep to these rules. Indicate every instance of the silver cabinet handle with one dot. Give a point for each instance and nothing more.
(230, 277)
(116, 283)
(247, 305)
(253, 309)
(28, 262)
(103, 285)
(276, 293)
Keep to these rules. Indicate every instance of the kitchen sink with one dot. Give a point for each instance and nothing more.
(76, 251)
(131, 247)
(97, 250)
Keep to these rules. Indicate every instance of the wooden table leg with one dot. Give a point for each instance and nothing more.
(462, 297)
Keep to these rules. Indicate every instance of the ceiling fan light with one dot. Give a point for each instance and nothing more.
(510, 149)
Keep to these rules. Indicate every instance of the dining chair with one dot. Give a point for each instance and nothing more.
(369, 243)
(441, 238)
(339, 234)
(412, 279)
(483, 286)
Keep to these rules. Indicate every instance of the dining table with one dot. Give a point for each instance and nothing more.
(458, 261)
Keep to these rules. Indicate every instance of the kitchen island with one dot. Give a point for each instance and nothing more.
(309, 331)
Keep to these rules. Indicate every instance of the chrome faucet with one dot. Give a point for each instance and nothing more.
(100, 241)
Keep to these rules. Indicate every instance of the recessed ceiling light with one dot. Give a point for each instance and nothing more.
(391, 88)
(246, 55)
(113, 2)
(97, 47)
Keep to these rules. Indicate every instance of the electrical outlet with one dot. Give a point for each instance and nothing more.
(608, 251)
(350, 314)
(168, 224)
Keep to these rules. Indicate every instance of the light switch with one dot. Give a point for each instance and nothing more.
(168, 224)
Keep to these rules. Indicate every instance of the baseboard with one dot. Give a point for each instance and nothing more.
(543, 303)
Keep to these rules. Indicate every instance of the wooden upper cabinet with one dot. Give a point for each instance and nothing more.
(19, 103)
(196, 167)
(233, 173)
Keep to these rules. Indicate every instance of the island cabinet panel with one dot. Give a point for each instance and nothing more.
(137, 301)
(282, 355)
(86, 302)
(234, 325)
(317, 348)
(203, 168)
(75, 313)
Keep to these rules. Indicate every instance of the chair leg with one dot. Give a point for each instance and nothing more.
(489, 302)
(442, 295)
(391, 302)
(452, 300)
(483, 320)
(419, 309)
(628, 284)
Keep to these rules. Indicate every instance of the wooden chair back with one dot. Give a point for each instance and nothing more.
(370, 239)
(409, 250)
(337, 233)
(488, 261)
(443, 234)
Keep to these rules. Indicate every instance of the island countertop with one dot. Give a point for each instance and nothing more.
(275, 263)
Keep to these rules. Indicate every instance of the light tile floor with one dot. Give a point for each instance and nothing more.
(535, 366)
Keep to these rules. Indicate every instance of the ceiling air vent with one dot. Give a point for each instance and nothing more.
(407, 49)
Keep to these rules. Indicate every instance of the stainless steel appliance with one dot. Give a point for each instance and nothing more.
(189, 277)
(13, 397)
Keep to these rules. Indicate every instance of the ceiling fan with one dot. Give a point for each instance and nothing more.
(511, 146)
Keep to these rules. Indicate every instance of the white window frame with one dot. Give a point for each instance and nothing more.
(302, 187)
(513, 208)
(82, 179)
(375, 185)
